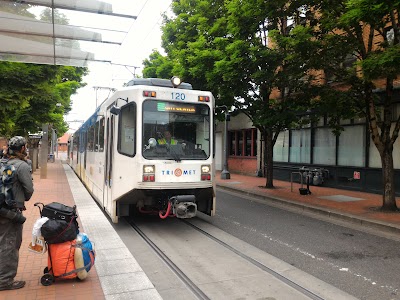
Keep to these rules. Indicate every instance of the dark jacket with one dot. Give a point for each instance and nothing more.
(22, 184)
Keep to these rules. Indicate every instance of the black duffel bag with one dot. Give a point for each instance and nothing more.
(59, 211)
(56, 231)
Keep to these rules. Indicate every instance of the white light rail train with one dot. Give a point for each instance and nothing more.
(149, 148)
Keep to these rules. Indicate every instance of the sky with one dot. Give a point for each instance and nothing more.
(144, 35)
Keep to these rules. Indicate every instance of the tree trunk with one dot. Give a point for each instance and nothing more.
(389, 199)
(269, 158)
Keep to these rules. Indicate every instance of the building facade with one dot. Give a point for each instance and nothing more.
(349, 161)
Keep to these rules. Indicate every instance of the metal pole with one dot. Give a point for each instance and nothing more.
(225, 173)
(52, 141)
(44, 151)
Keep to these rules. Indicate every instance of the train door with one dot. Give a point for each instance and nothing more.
(107, 196)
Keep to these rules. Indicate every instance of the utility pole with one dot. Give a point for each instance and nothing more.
(225, 173)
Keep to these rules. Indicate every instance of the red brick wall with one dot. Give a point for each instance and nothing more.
(243, 165)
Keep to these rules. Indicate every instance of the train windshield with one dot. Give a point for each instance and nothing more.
(176, 130)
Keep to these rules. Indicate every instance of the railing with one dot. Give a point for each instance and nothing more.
(291, 179)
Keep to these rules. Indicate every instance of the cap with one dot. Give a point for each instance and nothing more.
(16, 142)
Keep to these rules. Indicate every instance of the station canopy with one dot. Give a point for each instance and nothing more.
(62, 32)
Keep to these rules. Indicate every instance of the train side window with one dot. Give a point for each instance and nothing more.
(101, 135)
(96, 137)
(90, 139)
(127, 130)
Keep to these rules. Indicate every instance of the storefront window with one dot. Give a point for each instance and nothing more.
(232, 140)
(239, 150)
(375, 158)
(324, 147)
(281, 148)
(248, 143)
(351, 149)
(243, 142)
(300, 143)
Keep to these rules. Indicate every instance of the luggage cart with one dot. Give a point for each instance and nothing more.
(63, 213)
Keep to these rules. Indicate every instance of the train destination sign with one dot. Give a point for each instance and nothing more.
(162, 106)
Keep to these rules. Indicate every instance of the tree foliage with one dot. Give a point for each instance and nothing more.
(224, 47)
(367, 32)
(279, 60)
(29, 95)
(157, 66)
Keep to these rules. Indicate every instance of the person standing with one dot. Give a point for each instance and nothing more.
(11, 228)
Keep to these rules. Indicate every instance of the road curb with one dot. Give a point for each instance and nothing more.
(329, 213)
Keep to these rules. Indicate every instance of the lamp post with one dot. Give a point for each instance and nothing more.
(225, 173)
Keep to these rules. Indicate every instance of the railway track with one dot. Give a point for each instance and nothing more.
(212, 267)
(178, 272)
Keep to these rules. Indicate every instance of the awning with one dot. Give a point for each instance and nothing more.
(62, 32)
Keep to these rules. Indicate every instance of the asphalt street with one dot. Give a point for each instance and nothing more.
(362, 264)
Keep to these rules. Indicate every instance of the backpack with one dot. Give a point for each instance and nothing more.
(7, 174)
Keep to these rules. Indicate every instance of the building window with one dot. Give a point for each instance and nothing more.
(243, 142)
(351, 149)
(239, 145)
(300, 146)
(281, 148)
(375, 158)
(324, 147)
(232, 142)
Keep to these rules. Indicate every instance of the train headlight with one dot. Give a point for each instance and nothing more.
(205, 169)
(176, 81)
(148, 169)
(148, 173)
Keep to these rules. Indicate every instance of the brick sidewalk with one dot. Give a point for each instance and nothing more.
(31, 265)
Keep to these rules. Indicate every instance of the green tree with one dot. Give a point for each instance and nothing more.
(189, 39)
(29, 95)
(368, 31)
(267, 64)
(157, 66)
(224, 47)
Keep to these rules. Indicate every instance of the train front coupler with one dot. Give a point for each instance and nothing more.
(184, 206)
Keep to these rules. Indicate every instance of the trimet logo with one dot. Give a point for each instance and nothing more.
(178, 172)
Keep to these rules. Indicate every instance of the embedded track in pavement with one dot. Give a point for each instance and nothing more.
(214, 265)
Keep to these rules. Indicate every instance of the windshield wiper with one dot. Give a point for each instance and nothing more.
(176, 157)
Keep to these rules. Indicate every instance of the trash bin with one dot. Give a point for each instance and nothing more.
(51, 157)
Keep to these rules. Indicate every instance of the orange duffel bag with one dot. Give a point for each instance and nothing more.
(61, 260)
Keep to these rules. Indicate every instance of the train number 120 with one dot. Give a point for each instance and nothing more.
(178, 96)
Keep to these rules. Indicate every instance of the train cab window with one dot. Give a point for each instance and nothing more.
(127, 130)
(176, 130)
